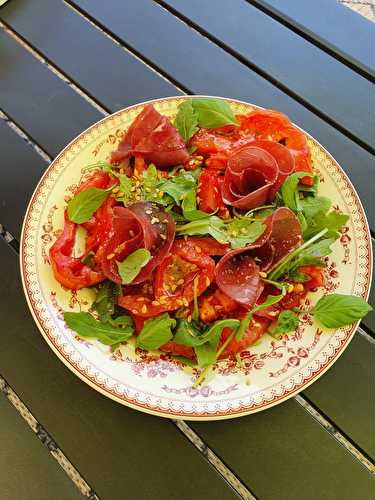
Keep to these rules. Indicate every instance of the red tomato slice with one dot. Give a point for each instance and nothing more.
(209, 191)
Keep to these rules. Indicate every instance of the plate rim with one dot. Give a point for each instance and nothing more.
(229, 414)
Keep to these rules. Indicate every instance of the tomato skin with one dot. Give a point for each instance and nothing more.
(216, 305)
(178, 350)
(69, 271)
(209, 191)
(183, 255)
(316, 274)
(98, 179)
(256, 329)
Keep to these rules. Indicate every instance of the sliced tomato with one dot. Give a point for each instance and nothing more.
(69, 271)
(209, 245)
(209, 191)
(216, 305)
(255, 331)
(178, 350)
(316, 274)
(173, 281)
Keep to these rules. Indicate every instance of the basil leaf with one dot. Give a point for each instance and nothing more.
(186, 120)
(213, 113)
(104, 304)
(130, 267)
(212, 225)
(241, 232)
(187, 334)
(290, 188)
(336, 310)
(313, 206)
(85, 204)
(286, 322)
(87, 326)
(156, 332)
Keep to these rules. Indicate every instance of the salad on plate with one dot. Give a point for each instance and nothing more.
(201, 235)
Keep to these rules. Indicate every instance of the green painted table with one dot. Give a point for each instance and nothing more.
(63, 66)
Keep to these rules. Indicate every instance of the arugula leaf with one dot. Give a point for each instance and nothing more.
(206, 353)
(335, 310)
(104, 303)
(86, 326)
(313, 206)
(156, 332)
(213, 113)
(130, 267)
(286, 322)
(333, 221)
(179, 186)
(84, 204)
(187, 334)
(211, 225)
(289, 190)
(186, 120)
(189, 207)
(241, 232)
(125, 193)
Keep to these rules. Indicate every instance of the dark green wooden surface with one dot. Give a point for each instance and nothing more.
(339, 30)
(39, 101)
(27, 470)
(15, 190)
(120, 451)
(109, 72)
(283, 460)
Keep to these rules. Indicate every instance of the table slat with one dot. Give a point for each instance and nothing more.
(118, 451)
(40, 101)
(21, 173)
(27, 470)
(346, 393)
(305, 70)
(340, 30)
(109, 71)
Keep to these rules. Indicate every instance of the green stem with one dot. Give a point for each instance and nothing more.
(195, 315)
(280, 269)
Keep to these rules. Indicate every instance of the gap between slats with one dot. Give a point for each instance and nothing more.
(47, 441)
(209, 454)
(265, 75)
(309, 37)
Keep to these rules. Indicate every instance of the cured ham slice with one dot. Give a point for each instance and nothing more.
(237, 273)
(143, 225)
(153, 136)
(255, 173)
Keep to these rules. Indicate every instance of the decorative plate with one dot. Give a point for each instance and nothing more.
(272, 371)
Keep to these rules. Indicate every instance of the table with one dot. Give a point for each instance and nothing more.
(64, 65)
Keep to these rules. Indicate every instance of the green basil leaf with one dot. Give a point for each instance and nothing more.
(241, 232)
(122, 321)
(156, 332)
(213, 113)
(186, 120)
(86, 326)
(290, 188)
(335, 310)
(189, 335)
(130, 267)
(286, 322)
(85, 204)
(104, 304)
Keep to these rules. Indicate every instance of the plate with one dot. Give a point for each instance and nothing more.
(272, 371)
